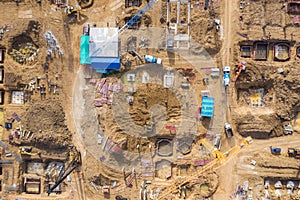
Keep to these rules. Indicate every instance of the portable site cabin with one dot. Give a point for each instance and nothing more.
(2, 54)
(1, 74)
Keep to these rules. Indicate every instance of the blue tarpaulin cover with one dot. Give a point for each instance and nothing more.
(207, 106)
(105, 63)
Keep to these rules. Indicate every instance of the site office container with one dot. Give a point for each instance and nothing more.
(2, 54)
(1, 74)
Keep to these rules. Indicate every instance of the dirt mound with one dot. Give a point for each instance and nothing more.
(280, 98)
(261, 124)
(46, 120)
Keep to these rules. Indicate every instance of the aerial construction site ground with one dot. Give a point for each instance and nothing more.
(140, 132)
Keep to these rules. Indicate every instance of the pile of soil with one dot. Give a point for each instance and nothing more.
(46, 119)
(261, 124)
(281, 98)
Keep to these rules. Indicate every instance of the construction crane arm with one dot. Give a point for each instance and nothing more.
(134, 19)
(60, 180)
(75, 161)
(138, 15)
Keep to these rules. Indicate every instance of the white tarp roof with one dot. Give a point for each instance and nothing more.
(104, 42)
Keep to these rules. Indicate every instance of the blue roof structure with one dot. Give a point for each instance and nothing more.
(104, 50)
(101, 64)
(207, 107)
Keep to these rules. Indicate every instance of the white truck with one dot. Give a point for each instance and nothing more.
(152, 59)
(226, 76)
(228, 130)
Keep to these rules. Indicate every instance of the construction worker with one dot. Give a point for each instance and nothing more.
(269, 36)
(60, 53)
(145, 102)
(130, 102)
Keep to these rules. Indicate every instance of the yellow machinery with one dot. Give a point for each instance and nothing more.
(26, 151)
(70, 10)
(213, 165)
(214, 150)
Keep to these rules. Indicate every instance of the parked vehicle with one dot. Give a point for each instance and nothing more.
(228, 130)
(152, 59)
(275, 151)
(226, 76)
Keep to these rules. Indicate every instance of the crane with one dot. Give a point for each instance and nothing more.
(138, 15)
(74, 158)
(134, 19)
(215, 164)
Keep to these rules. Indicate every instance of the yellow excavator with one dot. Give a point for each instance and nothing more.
(26, 151)
(214, 150)
(70, 11)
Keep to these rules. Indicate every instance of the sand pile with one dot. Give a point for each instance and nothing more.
(46, 119)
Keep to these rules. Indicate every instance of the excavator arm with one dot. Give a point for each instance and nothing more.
(213, 165)
(217, 154)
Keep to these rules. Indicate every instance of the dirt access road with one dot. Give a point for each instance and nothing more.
(229, 7)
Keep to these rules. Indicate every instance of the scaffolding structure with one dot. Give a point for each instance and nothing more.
(175, 39)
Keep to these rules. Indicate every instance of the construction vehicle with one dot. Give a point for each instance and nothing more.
(136, 54)
(26, 151)
(228, 130)
(288, 129)
(292, 152)
(218, 142)
(152, 59)
(226, 76)
(240, 67)
(73, 162)
(75, 14)
(215, 164)
(213, 149)
(70, 11)
(275, 151)
(149, 126)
